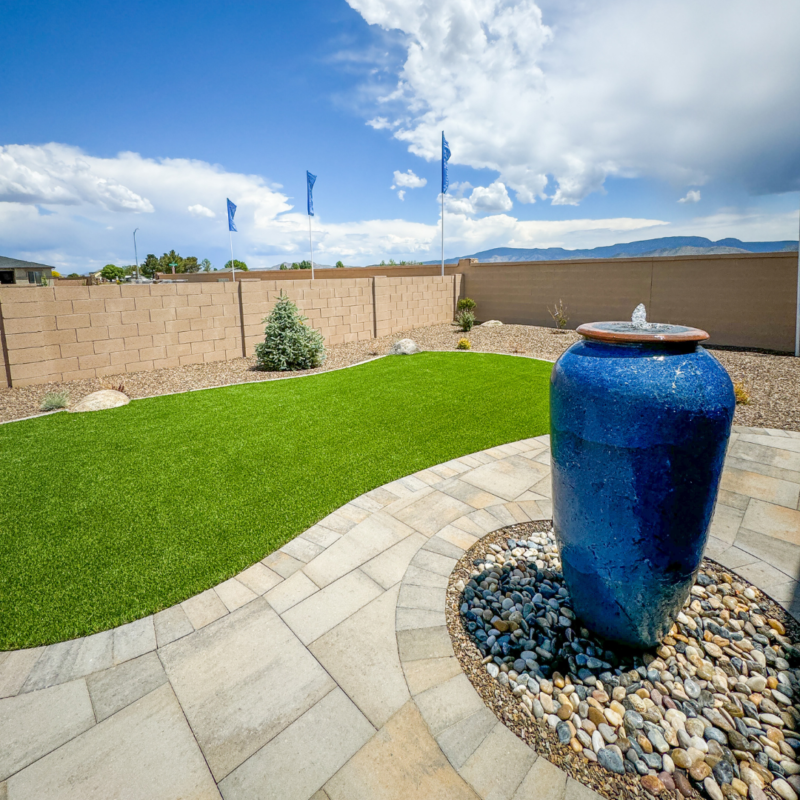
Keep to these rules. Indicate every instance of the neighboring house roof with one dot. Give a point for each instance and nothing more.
(15, 263)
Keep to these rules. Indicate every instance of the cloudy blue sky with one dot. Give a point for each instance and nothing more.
(571, 123)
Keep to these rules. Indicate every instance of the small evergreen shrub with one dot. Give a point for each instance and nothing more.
(54, 400)
(289, 344)
(467, 304)
(465, 320)
(463, 344)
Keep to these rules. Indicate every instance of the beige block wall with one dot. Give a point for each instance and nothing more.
(741, 300)
(68, 333)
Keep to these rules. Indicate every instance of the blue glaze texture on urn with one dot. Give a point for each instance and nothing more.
(638, 433)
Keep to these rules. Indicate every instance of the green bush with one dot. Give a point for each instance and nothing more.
(54, 400)
(463, 344)
(288, 343)
(465, 320)
(467, 304)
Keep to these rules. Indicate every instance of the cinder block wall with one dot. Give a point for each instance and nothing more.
(72, 332)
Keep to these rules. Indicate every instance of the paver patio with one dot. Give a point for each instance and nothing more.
(326, 671)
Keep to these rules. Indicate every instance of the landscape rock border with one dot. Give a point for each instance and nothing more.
(508, 708)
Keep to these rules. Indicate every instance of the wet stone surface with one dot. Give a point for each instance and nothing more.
(712, 712)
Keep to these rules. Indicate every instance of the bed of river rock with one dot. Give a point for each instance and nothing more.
(713, 710)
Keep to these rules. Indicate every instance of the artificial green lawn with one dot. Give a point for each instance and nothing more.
(108, 516)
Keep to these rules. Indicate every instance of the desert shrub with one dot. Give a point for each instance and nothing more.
(465, 320)
(289, 344)
(559, 315)
(467, 304)
(741, 393)
(54, 400)
(463, 344)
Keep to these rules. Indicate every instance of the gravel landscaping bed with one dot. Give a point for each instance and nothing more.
(773, 381)
(711, 712)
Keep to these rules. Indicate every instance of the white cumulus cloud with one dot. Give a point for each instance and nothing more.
(406, 180)
(201, 211)
(558, 96)
(692, 196)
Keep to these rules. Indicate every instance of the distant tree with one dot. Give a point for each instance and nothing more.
(301, 265)
(74, 275)
(240, 265)
(150, 266)
(205, 265)
(111, 272)
(339, 265)
(190, 264)
(55, 274)
(182, 265)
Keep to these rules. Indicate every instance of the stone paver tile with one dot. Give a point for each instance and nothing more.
(779, 554)
(424, 577)
(259, 579)
(424, 643)
(468, 526)
(733, 500)
(457, 537)
(353, 512)
(517, 512)
(282, 563)
(204, 608)
(35, 723)
(383, 496)
(500, 746)
(241, 681)
(338, 523)
(783, 443)
(320, 795)
(367, 503)
(120, 686)
(732, 557)
(510, 449)
(3, 791)
(95, 654)
(508, 478)
(470, 461)
(762, 487)
(443, 705)
(15, 668)
(54, 666)
(428, 477)
(544, 487)
(469, 494)
(715, 548)
(546, 506)
(389, 567)
(762, 575)
(300, 759)
(407, 619)
(361, 656)
(421, 597)
(440, 545)
(483, 458)
(434, 562)
(781, 523)
(432, 512)
(421, 675)
(367, 540)
(577, 791)
(444, 472)
(544, 781)
(293, 590)
(725, 523)
(401, 761)
(771, 471)
(145, 752)
(502, 514)
(457, 465)
(134, 639)
(328, 607)
(234, 594)
(533, 509)
(302, 549)
(412, 484)
(460, 741)
(483, 520)
(785, 593)
(324, 537)
(171, 624)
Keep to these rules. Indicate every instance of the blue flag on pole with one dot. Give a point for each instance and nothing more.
(231, 212)
(445, 159)
(310, 180)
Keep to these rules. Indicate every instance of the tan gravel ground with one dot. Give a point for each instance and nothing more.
(772, 380)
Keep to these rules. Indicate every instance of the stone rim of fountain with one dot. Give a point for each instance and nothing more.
(640, 330)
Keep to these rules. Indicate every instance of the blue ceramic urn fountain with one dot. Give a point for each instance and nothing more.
(640, 417)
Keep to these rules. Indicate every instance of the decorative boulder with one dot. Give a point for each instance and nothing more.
(405, 347)
(97, 401)
(491, 323)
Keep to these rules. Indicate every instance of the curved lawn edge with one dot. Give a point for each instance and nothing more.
(142, 507)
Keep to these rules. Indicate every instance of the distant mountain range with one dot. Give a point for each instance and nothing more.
(666, 246)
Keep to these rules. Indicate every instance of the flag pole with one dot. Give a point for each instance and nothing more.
(797, 308)
(233, 264)
(443, 234)
(311, 245)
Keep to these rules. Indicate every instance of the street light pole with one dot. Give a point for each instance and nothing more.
(136, 254)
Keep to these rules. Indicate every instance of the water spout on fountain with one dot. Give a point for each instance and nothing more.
(639, 318)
